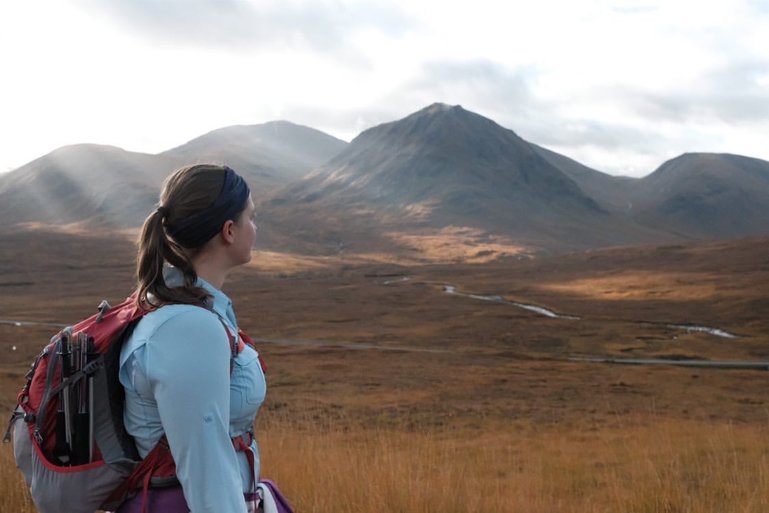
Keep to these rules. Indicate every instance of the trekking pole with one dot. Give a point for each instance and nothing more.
(61, 451)
(74, 400)
(91, 412)
(66, 371)
(81, 420)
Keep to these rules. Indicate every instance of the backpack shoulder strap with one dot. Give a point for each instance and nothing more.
(236, 345)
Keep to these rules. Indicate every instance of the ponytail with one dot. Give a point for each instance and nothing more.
(155, 249)
(186, 192)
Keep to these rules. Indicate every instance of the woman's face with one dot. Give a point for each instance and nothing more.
(245, 233)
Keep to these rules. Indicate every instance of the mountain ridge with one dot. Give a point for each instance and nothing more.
(107, 185)
(439, 170)
(443, 167)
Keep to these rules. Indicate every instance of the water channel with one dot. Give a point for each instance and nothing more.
(451, 289)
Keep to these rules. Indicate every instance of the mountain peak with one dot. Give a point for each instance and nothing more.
(453, 159)
(444, 113)
(696, 165)
(439, 107)
(439, 127)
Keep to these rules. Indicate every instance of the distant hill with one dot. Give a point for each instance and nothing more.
(439, 178)
(101, 184)
(707, 196)
(445, 166)
(268, 155)
(108, 185)
(693, 196)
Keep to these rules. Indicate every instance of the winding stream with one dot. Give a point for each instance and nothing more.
(704, 329)
(450, 289)
(396, 280)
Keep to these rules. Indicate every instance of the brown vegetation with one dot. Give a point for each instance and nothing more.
(388, 394)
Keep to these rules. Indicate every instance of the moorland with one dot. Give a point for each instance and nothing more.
(388, 393)
(437, 301)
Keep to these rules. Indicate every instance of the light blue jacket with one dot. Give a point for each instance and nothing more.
(175, 368)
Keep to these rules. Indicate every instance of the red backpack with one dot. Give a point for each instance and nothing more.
(68, 433)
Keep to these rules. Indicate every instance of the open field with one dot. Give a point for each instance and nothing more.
(664, 466)
(388, 394)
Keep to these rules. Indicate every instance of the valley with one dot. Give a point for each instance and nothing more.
(465, 392)
(616, 303)
(442, 302)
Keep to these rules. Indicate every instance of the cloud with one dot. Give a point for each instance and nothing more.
(478, 85)
(758, 7)
(248, 25)
(736, 93)
(481, 85)
(510, 97)
(615, 84)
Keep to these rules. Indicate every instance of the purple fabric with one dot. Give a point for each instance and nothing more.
(171, 500)
(281, 503)
(160, 500)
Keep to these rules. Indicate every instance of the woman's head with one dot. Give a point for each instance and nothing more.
(198, 204)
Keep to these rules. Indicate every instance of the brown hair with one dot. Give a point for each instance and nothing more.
(186, 191)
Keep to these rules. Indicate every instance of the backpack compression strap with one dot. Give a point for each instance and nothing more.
(158, 462)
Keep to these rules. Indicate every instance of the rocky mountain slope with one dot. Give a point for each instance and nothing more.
(446, 167)
(96, 184)
(442, 176)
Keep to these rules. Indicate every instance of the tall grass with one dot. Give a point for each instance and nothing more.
(14, 497)
(661, 467)
(664, 467)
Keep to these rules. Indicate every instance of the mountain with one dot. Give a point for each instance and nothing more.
(108, 185)
(441, 179)
(267, 155)
(83, 182)
(694, 196)
(440, 167)
(707, 196)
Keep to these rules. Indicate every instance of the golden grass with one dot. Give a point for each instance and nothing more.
(518, 429)
(14, 497)
(663, 467)
(81, 229)
(639, 464)
(641, 285)
(457, 244)
(287, 263)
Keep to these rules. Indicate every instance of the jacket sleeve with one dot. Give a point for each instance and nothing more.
(189, 373)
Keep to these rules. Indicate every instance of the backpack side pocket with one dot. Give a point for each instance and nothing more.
(77, 489)
(22, 445)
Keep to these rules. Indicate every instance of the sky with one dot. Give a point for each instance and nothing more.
(620, 86)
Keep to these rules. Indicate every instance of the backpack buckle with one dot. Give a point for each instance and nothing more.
(103, 308)
(14, 415)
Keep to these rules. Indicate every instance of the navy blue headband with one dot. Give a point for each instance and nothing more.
(200, 227)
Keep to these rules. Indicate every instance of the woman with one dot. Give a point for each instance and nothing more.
(182, 378)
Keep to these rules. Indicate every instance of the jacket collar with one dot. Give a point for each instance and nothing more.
(218, 302)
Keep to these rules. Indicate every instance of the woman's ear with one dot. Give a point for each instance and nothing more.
(228, 233)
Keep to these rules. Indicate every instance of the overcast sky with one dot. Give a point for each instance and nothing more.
(620, 86)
